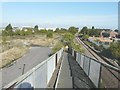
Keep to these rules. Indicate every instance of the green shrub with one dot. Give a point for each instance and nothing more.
(49, 34)
(57, 47)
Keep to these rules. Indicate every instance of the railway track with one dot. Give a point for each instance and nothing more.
(95, 54)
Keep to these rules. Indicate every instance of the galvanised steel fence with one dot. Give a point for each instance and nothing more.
(101, 74)
(39, 76)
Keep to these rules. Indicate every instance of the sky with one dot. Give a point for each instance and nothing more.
(61, 14)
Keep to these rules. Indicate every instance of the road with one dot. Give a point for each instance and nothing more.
(32, 58)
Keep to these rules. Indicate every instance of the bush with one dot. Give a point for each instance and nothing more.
(115, 49)
(67, 38)
(78, 48)
(50, 35)
(57, 47)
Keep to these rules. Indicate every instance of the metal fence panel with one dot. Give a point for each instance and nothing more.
(59, 55)
(73, 52)
(82, 60)
(50, 68)
(86, 65)
(77, 56)
(41, 77)
(94, 72)
(28, 82)
(37, 77)
(108, 78)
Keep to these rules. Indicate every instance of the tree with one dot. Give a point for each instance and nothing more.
(73, 30)
(116, 30)
(61, 30)
(36, 29)
(85, 37)
(93, 27)
(9, 30)
(50, 30)
(17, 32)
(29, 31)
(4, 39)
(57, 47)
(115, 49)
(49, 34)
(22, 33)
(84, 30)
(4, 33)
(43, 31)
(57, 30)
(67, 38)
(90, 32)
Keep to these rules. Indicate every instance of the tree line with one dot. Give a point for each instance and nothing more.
(114, 46)
(30, 31)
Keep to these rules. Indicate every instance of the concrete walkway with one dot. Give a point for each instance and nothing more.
(71, 74)
(65, 79)
(80, 79)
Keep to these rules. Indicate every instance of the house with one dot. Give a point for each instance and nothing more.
(105, 42)
(119, 34)
(113, 34)
(109, 34)
(105, 34)
(15, 28)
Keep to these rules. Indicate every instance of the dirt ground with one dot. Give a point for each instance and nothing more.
(18, 46)
(11, 55)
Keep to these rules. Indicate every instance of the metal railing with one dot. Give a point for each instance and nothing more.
(101, 74)
(39, 76)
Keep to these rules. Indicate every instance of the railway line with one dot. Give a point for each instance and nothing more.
(95, 54)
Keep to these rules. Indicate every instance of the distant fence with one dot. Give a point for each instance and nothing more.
(39, 76)
(102, 75)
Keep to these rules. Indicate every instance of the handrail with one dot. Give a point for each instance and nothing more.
(27, 74)
(104, 64)
(97, 70)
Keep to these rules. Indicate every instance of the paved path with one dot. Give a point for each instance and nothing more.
(72, 75)
(80, 79)
(34, 56)
(65, 79)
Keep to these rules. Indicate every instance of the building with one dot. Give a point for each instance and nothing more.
(113, 34)
(15, 28)
(108, 34)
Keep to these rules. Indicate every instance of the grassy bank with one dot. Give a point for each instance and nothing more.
(11, 55)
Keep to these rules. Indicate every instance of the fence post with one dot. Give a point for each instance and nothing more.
(56, 60)
(89, 66)
(99, 83)
(75, 54)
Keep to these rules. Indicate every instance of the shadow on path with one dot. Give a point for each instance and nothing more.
(79, 78)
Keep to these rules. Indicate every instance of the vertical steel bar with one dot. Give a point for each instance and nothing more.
(99, 83)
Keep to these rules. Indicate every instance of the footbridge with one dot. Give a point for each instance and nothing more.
(68, 69)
